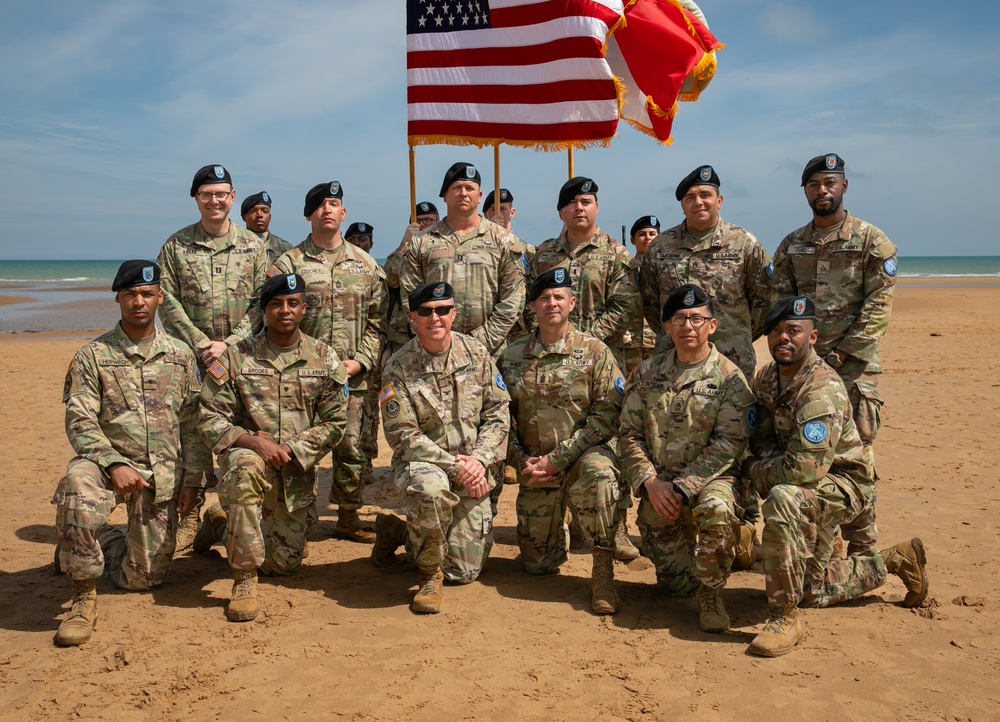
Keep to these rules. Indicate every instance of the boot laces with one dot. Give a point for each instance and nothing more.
(246, 584)
(776, 622)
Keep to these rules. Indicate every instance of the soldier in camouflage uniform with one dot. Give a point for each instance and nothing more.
(603, 277)
(476, 257)
(271, 408)
(501, 213)
(361, 235)
(687, 417)
(347, 301)
(256, 213)
(426, 214)
(640, 339)
(849, 268)
(131, 400)
(732, 267)
(809, 466)
(212, 274)
(444, 411)
(566, 393)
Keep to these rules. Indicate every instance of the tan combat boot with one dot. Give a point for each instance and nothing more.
(712, 616)
(212, 529)
(350, 526)
(625, 550)
(781, 633)
(429, 596)
(906, 561)
(81, 620)
(390, 534)
(603, 597)
(243, 605)
(187, 530)
(746, 536)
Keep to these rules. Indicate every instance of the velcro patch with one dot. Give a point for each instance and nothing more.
(386, 393)
(216, 370)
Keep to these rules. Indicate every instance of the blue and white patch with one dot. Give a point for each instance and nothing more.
(559, 275)
(290, 280)
(620, 385)
(347, 389)
(147, 274)
(438, 291)
(500, 384)
(219, 171)
(653, 222)
(752, 417)
(814, 431)
(585, 188)
(890, 266)
(769, 270)
(524, 262)
(799, 307)
(831, 161)
(265, 197)
(425, 208)
(706, 173)
(363, 227)
(470, 171)
(689, 298)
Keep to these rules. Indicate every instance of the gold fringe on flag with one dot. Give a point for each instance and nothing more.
(539, 146)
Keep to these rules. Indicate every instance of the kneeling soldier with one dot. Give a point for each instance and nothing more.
(687, 416)
(271, 408)
(131, 400)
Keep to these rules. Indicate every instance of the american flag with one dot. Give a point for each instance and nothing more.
(520, 72)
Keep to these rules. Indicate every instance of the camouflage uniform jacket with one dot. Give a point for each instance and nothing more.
(274, 246)
(640, 333)
(346, 301)
(211, 286)
(686, 426)
(303, 404)
(122, 408)
(482, 267)
(807, 431)
(435, 408)
(564, 399)
(732, 267)
(398, 325)
(851, 278)
(603, 276)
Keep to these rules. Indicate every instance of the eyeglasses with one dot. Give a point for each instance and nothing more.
(425, 311)
(218, 196)
(696, 321)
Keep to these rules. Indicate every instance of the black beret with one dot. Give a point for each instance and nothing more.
(704, 175)
(552, 278)
(460, 171)
(425, 208)
(574, 187)
(434, 291)
(686, 296)
(829, 163)
(257, 199)
(644, 222)
(362, 228)
(505, 197)
(319, 193)
(210, 174)
(790, 307)
(283, 284)
(136, 273)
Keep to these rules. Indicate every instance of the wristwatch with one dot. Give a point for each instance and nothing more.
(833, 358)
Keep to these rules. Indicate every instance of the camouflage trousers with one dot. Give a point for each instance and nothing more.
(349, 460)
(590, 486)
(261, 531)
(861, 533)
(799, 527)
(696, 548)
(447, 528)
(137, 559)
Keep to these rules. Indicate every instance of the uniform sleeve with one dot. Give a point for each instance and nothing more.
(784, 276)
(376, 328)
(82, 396)
(508, 308)
(411, 273)
(402, 431)
(880, 267)
(726, 443)
(253, 321)
(607, 390)
(311, 445)
(195, 455)
(220, 408)
(494, 417)
(621, 303)
(172, 314)
(759, 290)
(649, 292)
(517, 455)
(635, 458)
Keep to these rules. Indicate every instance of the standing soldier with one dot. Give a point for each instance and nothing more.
(809, 466)
(426, 214)
(688, 415)
(641, 338)
(131, 400)
(256, 213)
(212, 272)
(271, 408)
(346, 301)
(566, 394)
(848, 267)
(444, 410)
(476, 257)
(603, 276)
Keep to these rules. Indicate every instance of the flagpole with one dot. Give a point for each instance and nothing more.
(496, 179)
(413, 187)
(570, 158)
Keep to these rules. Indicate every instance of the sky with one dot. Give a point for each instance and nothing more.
(108, 107)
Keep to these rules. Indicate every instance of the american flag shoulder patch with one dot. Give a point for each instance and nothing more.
(386, 393)
(217, 370)
(272, 271)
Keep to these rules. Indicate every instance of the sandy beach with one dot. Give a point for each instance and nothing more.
(337, 640)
